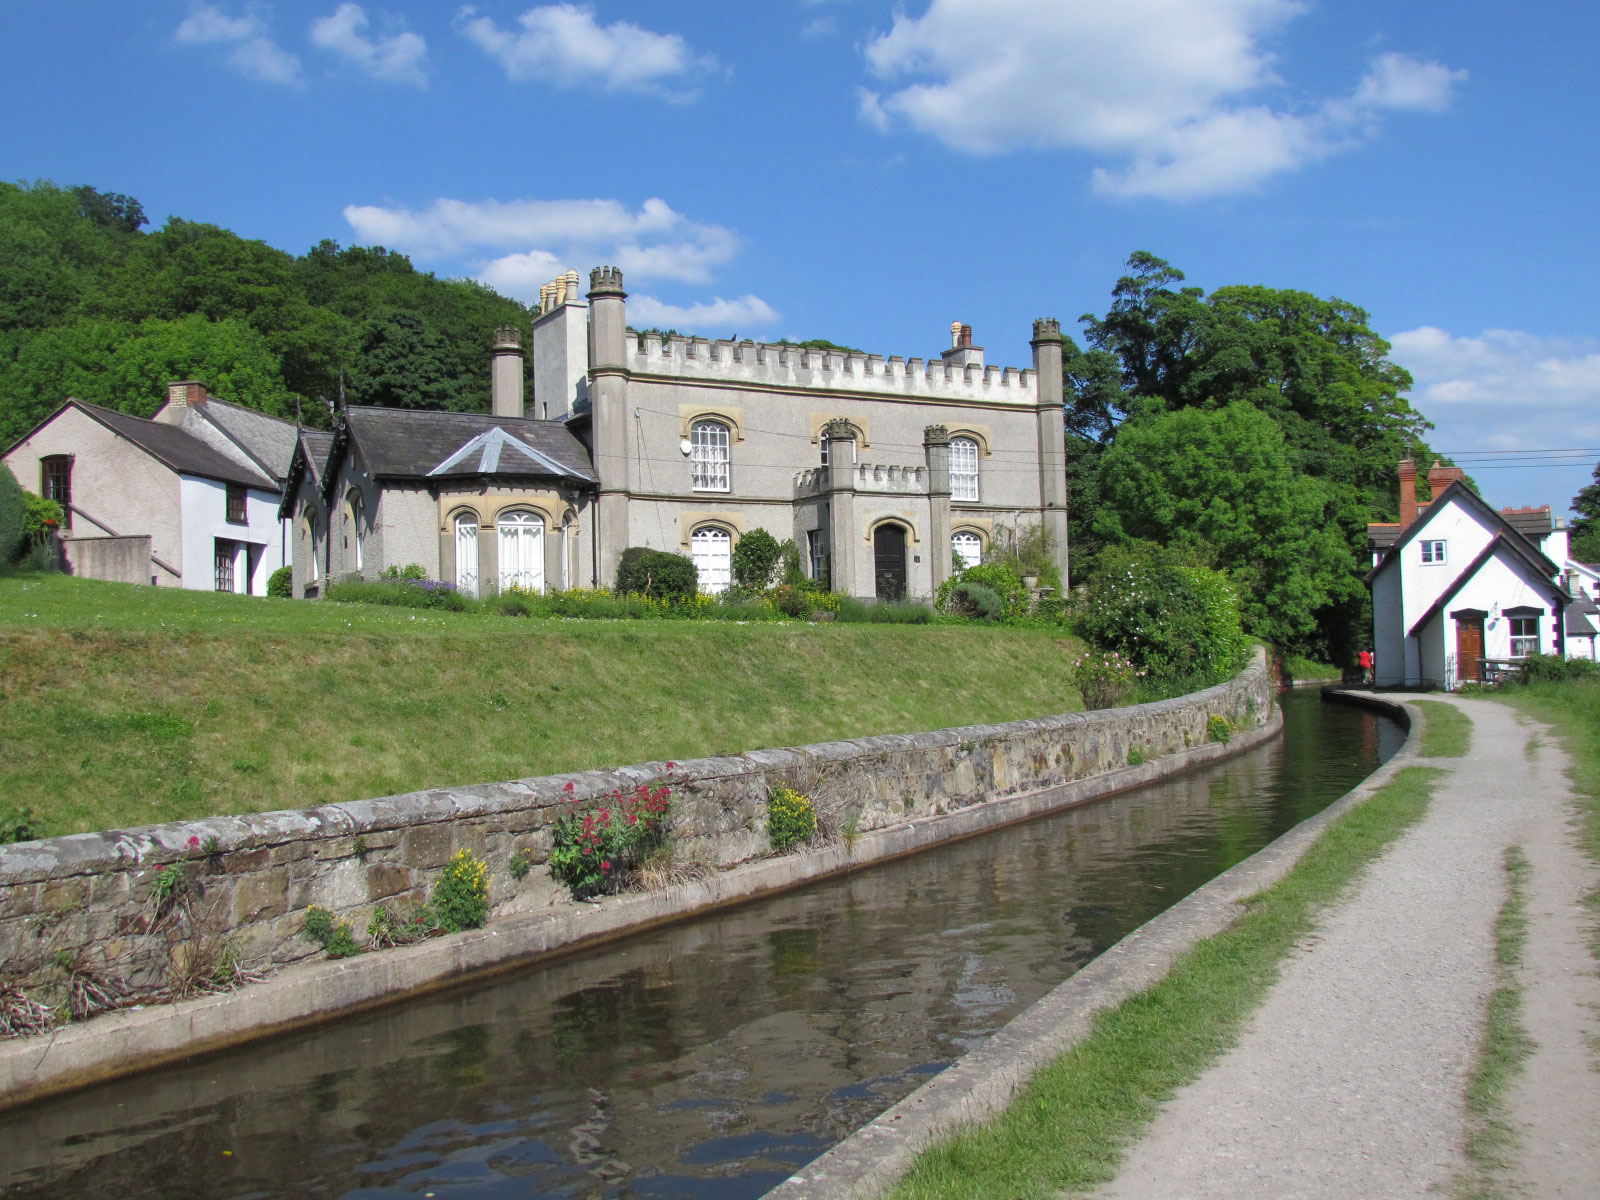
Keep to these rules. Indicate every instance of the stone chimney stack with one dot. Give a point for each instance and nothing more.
(962, 352)
(1408, 491)
(181, 397)
(505, 380)
(560, 349)
(1051, 401)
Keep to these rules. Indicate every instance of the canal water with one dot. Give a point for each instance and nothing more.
(707, 1060)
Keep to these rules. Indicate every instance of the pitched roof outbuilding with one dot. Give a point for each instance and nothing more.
(171, 446)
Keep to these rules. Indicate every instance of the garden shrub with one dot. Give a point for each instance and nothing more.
(791, 601)
(597, 845)
(13, 516)
(409, 593)
(969, 598)
(1552, 668)
(997, 577)
(409, 571)
(755, 559)
(1028, 552)
(1177, 623)
(281, 583)
(656, 573)
(1104, 678)
(791, 818)
(460, 898)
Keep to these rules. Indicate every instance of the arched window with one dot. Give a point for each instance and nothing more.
(521, 551)
(467, 553)
(708, 456)
(967, 548)
(712, 551)
(355, 529)
(963, 469)
(309, 531)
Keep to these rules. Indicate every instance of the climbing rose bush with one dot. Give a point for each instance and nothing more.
(596, 845)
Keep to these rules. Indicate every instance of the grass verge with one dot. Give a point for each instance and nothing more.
(1447, 731)
(124, 705)
(1067, 1130)
(1505, 1046)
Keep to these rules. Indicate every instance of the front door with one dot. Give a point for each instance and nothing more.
(1469, 649)
(889, 561)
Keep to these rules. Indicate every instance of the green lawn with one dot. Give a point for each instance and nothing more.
(125, 705)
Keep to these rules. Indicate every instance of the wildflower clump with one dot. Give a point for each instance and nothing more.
(460, 898)
(1219, 728)
(333, 935)
(791, 818)
(596, 845)
(1104, 678)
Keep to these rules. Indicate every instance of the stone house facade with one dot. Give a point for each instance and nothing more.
(883, 471)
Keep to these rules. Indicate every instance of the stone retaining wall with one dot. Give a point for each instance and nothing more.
(87, 903)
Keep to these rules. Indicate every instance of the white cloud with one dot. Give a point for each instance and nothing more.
(749, 313)
(1508, 390)
(564, 44)
(649, 242)
(253, 52)
(397, 57)
(1171, 90)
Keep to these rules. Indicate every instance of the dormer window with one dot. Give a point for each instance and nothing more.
(1433, 552)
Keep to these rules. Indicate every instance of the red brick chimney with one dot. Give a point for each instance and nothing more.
(1441, 477)
(1408, 491)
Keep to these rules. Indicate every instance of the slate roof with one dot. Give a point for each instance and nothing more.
(268, 440)
(1583, 618)
(406, 443)
(171, 446)
(1532, 523)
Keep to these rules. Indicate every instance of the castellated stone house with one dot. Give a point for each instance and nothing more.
(884, 472)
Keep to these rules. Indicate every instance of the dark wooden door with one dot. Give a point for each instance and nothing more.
(1469, 649)
(889, 561)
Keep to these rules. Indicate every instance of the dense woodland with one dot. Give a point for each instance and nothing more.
(93, 306)
(1254, 430)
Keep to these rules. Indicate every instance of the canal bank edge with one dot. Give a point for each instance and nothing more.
(985, 1081)
(90, 894)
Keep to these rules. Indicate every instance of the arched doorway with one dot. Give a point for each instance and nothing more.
(889, 561)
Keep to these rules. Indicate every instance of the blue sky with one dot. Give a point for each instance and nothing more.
(868, 172)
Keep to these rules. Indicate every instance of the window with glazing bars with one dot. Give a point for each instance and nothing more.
(224, 563)
(55, 483)
(236, 505)
(963, 469)
(708, 457)
(1524, 636)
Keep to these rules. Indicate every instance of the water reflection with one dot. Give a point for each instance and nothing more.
(705, 1060)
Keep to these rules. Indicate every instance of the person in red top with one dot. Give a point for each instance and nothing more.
(1365, 659)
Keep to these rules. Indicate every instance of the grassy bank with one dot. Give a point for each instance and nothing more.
(126, 705)
(1069, 1128)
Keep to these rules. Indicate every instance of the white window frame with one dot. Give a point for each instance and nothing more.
(709, 445)
(1433, 551)
(466, 532)
(968, 537)
(964, 469)
(1529, 641)
(568, 532)
(711, 548)
(521, 550)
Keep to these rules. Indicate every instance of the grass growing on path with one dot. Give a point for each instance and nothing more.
(1070, 1126)
(1572, 711)
(124, 705)
(1446, 732)
(1505, 1046)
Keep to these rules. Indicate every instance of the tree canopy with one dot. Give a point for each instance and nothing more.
(93, 306)
(1290, 390)
(1585, 535)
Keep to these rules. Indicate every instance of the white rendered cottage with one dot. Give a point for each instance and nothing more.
(188, 498)
(1458, 592)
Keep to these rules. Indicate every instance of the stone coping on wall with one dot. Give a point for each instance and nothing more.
(985, 1081)
(988, 792)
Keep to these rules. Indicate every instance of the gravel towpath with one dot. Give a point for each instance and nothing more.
(1350, 1080)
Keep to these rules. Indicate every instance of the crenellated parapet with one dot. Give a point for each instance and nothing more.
(1047, 329)
(606, 281)
(800, 368)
